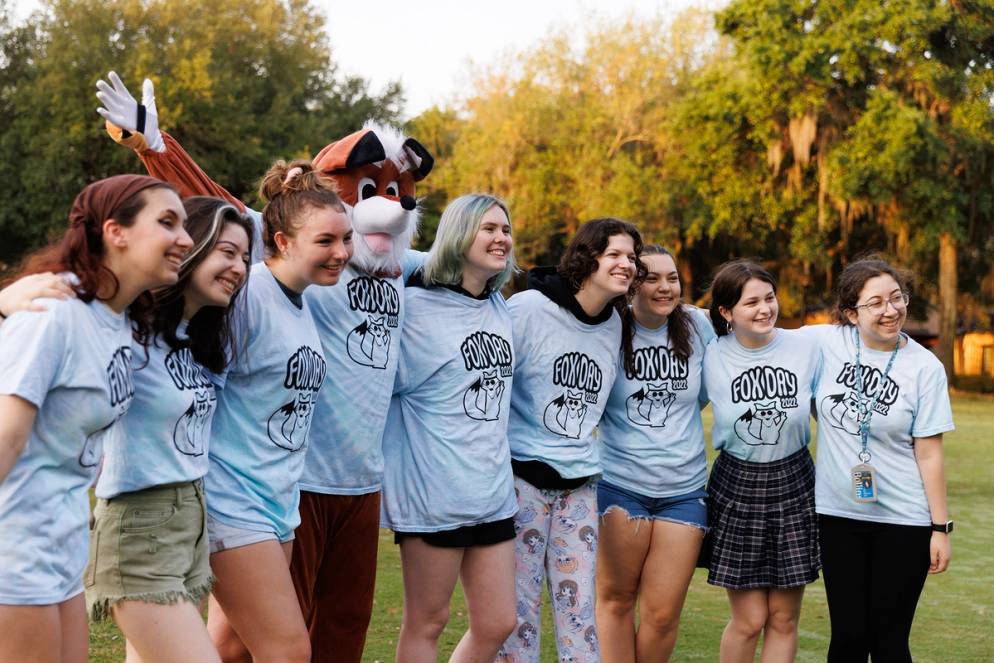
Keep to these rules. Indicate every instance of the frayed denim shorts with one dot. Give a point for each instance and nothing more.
(689, 509)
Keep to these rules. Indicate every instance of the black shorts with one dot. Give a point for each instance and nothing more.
(484, 534)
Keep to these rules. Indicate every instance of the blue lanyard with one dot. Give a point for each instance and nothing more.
(865, 409)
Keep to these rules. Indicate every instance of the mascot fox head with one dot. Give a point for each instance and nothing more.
(374, 171)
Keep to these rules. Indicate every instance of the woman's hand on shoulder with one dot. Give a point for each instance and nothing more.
(21, 294)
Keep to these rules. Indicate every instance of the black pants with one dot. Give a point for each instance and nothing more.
(874, 574)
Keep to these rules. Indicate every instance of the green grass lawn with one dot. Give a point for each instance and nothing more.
(954, 623)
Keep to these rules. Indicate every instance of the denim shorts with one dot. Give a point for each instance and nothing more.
(226, 537)
(689, 509)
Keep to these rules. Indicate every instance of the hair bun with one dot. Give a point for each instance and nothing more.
(284, 177)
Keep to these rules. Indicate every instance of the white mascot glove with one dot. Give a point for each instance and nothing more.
(120, 108)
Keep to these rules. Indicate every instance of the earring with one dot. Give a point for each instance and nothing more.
(731, 327)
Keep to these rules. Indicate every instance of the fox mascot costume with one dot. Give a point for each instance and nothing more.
(374, 170)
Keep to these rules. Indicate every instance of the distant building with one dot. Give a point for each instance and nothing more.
(973, 354)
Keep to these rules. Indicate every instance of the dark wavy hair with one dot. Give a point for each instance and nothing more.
(680, 327)
(726, 288)
(209, 332)
(854, 277)
(579, 260)
(81, 251)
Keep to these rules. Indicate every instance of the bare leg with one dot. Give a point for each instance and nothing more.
(164, 633)
(666, 576)
(488, 580)
(75, 630)
(621, 555)
(430, 575)
(39, 633)
(780, 635)
(55, 633)
(749, 615)
(259, 604)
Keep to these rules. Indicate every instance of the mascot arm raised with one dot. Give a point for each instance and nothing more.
(136, 125)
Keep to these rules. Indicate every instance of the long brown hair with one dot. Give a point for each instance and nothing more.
(209, 332)
(81, 250)
(679, 326)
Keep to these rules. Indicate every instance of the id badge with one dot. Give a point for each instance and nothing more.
(864, 483)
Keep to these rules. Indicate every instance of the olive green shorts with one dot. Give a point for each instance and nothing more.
(150, 545)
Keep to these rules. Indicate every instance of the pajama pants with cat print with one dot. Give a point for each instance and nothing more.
(555, 543)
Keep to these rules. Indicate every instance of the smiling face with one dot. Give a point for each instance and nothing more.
(215, 280)
(754, 316)
(615, 267)
(880, 330)
(659, 293)
(153, 247)
(487, 256)
(317, 253)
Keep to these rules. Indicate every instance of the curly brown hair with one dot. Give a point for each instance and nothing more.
(579, 259)
(854, 277)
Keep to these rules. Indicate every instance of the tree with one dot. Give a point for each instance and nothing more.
(239, 83)
(574, 129)
(882, 111)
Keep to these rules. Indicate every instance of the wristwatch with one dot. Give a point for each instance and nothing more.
(945, 527)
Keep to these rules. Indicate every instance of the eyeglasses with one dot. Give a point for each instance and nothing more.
(878, 306)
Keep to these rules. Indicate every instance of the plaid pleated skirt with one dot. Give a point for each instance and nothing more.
(762, 526)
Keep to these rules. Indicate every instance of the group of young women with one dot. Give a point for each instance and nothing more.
(553, 439)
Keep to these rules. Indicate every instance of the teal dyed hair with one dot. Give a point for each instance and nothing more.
(456, 231)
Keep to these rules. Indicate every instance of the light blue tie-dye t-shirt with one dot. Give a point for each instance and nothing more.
(651, 435)
(913, 402)
(72, 362)
(446, 461)
(264, 411)
(563, 373)
(359, 321)
(164, 437)
(761, 398)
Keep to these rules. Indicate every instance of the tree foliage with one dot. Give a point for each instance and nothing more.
(239, 83)
(569, 131)
(802, 132)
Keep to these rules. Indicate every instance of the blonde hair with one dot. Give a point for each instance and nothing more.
(456, 231)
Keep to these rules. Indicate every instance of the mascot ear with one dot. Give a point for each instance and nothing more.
(358, 149)
(421, 158)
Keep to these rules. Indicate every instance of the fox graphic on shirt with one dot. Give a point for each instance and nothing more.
(564, 415)
(761, 424)
(650, 405)
(190, 431)
(369, 343)
(482, 400)
(288, 426)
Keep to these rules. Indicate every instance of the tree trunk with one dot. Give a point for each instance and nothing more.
(947, 301)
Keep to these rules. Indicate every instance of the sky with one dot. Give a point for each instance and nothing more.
(431, 45)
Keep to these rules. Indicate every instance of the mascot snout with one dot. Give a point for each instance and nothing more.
(379, 220)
